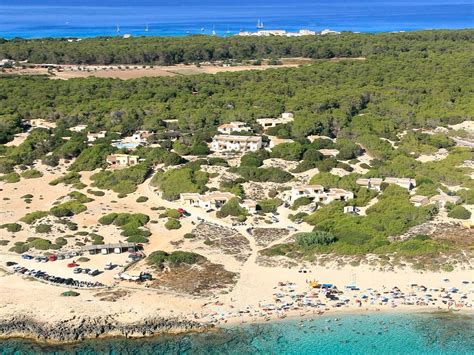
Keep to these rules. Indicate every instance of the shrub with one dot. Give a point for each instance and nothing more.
(459, 212)
(60, 241)
(40, 244)
(172, 224)
(11, 227)
(31, 174)
(142, 199)
(96, 192)
(43, 228)
(251, 159)
(68, 209)
(108, 219)
(31, 217)
(301, 201)
(309, 240)
(189, 236)
(269, 205)
(68, 179)
(159, 258)
(10, 178)
(231, 208)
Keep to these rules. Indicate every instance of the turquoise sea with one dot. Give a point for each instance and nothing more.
(348, 334)
(89, 18)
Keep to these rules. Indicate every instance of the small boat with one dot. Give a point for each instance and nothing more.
(260, 24)
(213, 31)
(202, 29)
(146, 28)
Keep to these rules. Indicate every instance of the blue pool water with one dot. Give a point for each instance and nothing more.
(351, 334)
(88, 18)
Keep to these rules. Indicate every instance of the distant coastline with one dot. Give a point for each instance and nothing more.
(86, 19)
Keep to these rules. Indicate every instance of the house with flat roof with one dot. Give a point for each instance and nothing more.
(121, 160)
(370, 183)
(209, 200)
(78, 128)
(249, 205)
(92, 137)
(41, 123)
(419, 200)
(235, 126)
(310, 191)
(274, 141)
(221, 143)
(329, 152)
(442, 200)
(139, 137)
(319, 194)
(406, 183)
(266, 123)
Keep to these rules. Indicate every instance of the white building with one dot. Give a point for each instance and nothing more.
(121, 160)
(442, 200)
(249, 205)
(329, 32)
(266, 123)
(274, 141)
(310, 191)
(370, 183)
(210, 200)
(78, 128)
(92, 137)
(283, 33)
(318, 194)
(329, 152)
(222, 143)
(402, 182)
(41, 123)
(139, 137)
(235, 126)
(419, 200)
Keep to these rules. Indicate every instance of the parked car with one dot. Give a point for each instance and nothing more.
(26, 257)
(72, 265)
(77, 270)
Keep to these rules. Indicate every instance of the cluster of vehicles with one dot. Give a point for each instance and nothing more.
(86, 271)
(42, 275)
(45, 259)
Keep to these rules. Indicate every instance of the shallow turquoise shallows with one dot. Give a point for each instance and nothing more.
(347, 334)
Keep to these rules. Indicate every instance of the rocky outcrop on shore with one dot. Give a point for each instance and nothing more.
(80, 328)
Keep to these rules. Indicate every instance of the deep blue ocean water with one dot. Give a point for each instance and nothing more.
(379, 334)
(89, 18)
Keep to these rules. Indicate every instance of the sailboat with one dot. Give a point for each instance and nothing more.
(260, 24)
(118, 29)
(146, 28)
(213, 31)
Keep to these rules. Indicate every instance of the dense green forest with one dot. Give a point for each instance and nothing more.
(194, 49)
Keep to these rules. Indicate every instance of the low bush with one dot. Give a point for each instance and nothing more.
(31, 217)
(172, 224)
(43, 228)
(31, 174)
(459, 212)
(11, 227)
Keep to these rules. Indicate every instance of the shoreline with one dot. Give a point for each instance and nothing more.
(135, 331)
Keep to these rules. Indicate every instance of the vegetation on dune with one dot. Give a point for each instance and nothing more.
(123, 181)
(132, 225)
(160, 259)
(31, 217)
(174, 182)
(11, 227)
(459, 212)
(172, 223)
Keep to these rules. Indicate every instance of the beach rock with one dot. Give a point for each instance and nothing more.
(79, 328)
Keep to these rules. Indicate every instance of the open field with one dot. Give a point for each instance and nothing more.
(126, 72)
